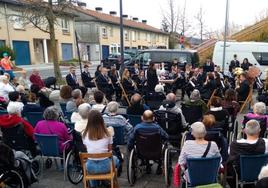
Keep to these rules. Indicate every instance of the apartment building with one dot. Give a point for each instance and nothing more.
(99, 34)
(31, 45)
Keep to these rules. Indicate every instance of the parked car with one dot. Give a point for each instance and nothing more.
(114, 60)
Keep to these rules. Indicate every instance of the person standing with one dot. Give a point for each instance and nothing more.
(7, 65)
(245, 64)
(234, 64)
(209, 66)
(152, 79)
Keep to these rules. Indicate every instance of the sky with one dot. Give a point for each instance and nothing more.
(242, 12)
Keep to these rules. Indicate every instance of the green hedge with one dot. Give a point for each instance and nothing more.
(8, 50)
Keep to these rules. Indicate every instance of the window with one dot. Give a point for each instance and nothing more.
(104, 32)
(2, 43)
(261, 57)
(111, 31)
(133, 35)
(157, 38)
(126, 35)
(65, 25)
(138, 35)
(18, 22)
(149, 37)
(145, 34)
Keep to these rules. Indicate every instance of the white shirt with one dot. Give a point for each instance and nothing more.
(98, 107)
(75, 117)
(97, 146)
(5, 89)
(244, 141)
(81, 125)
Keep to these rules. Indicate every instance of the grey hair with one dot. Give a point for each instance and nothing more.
(112, 107)
(3, 78)
(264, 172)
(259, 108)
(252, 127)
(51, 113)
(198, 130)
(20, 88)
(83, 110)
(159, 88)
(76, 93)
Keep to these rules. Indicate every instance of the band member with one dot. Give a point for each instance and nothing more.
(152, 79)
(86, 77)
(179, 82)
(72, 79)
(209, 66)
(208, 87)
(242, 87)
(234, 64)
(128, 84)
(105, 84)
(141, 82)
(245, 64)
(201, 76)
(114, 78)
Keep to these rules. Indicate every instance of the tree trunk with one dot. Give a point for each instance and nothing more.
(54, 49)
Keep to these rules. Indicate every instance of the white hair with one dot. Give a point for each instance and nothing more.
(112, 107)
(252, 127)
(3, 78)
(20, 89)
(159, 88)
(83, 110)
(15, 107)
(259, 108)
(264, 172)
(198, 130)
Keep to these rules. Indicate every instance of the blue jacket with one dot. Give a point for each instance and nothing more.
(145, 127)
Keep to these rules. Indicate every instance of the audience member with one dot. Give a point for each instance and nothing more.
(42, 96)
(230, 102)
(51, 126)
(262, 178)
(65, 94)
(195, 100)
(259, 111)
(99, 99)
(97, 139)
(170, 105)
(24, 81)
(83, 111)
(136, 108)
(5, 87)
(32, 105)
(71, 106)
(36, 79)
(7, 65)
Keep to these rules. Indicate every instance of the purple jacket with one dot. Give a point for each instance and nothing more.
(53, 127)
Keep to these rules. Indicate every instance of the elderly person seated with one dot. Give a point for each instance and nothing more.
(51, 126)
(24, 81)
(195, 100)
(75, 115)
(170, 105)
(5, 87)
(112, 118)
(13, 118)
(32, 105)
(23, 96)
(154, 99)
(136, 108)
(196, 148)
(230, 102)
(99, 99)
(252, 145)
(83, 111)
(65, 94)
(259, 112)
(14, 97)
(71, 106)
(262, 178)
(42, 96)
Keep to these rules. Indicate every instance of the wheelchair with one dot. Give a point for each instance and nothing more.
(10, 178)
(147, 147)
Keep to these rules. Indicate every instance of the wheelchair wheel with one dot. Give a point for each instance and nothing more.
(168, 167)
(11, 179)
(74, 168)
(36, 167)
(132, 168)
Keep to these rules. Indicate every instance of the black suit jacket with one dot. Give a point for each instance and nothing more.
(86, 79)
(71, 82)
(243, 91)
(102, 83)
(234, 64)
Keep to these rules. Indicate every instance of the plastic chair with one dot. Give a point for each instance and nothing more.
(63, 108)
(111, 176)
(250, 167)
(134, 119)
(197, 167)
(49, 147)
(34, 117)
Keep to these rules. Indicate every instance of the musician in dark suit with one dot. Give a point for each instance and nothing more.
(104, 83)
(72, 79)
(152, 79)
(243, 88)
(208, 86)
(128, 84)
(86, 78)
(209, 66)
(201, 76)
(114, 78)
(234, 64)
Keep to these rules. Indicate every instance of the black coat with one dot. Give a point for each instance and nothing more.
(152, 79)
(243, 91)
(71, 82)
(87, 79)
(234, 64)
(128, 86)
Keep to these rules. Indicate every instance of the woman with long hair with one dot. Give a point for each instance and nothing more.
(128, 84)
(98, 139)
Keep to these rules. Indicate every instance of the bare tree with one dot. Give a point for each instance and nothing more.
(201, 22)
(171, 16)
(184, 25)
(45, 16)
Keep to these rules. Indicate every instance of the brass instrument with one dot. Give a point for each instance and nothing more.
(238, 71)
(133, 84)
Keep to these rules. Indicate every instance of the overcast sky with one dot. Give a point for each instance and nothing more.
(242, 12)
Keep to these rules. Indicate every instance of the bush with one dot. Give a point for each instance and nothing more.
(7, 50)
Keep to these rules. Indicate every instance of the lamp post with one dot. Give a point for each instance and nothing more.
(121, 35)
(225, 34)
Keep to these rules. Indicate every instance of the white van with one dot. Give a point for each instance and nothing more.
(256, 52)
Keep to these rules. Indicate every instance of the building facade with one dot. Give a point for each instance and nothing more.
(31, 45)
(99, 34)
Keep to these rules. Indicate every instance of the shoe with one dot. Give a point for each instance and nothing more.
(159, 170)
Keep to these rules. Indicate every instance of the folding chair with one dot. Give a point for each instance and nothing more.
(111, 176)
(34, 117)
(124, 93)
(250, 167)
(50, 148)
(196, 167)
(249, 100)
